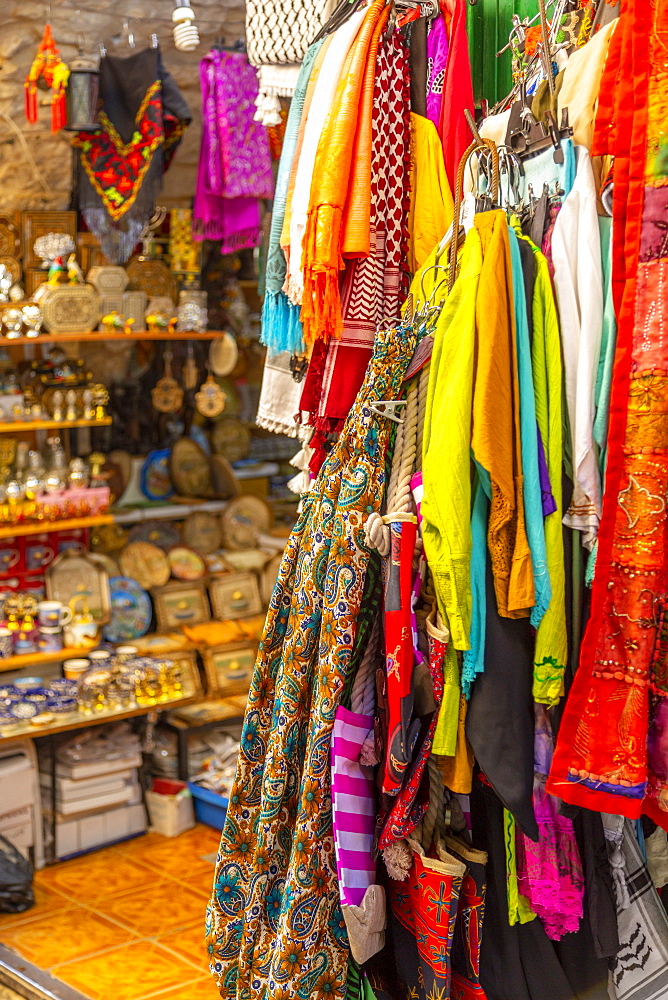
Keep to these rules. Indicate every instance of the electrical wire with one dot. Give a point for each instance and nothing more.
(115, 14)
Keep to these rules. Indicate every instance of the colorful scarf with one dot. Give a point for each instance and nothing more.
(332, 68)
(321, 314)
(620, 690)
(235, 162)
(431, 207)
(120, 168)
(437, 58)
(281, 329)
(373, 287)
(457, 95)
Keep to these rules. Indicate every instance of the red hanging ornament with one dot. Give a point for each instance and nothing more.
(48, 64)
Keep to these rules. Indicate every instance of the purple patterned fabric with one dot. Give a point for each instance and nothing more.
(437, 57)
(549, 503)
(235, 160)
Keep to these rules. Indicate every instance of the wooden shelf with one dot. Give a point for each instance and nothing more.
(40, 659)
(16, 426)
(37, 527)
(97, 336)
(21, 731)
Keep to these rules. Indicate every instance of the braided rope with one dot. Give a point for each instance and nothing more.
(423, 387)
(363, 698)
(436, 800)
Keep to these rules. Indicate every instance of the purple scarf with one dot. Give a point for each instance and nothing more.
(437, 57)
(234, 163)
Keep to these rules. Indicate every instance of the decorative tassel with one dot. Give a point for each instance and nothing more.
(281, 325)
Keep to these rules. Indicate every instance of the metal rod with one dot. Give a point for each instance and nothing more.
(546, 46)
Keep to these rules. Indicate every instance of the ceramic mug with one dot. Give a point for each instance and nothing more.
(6, 643)
(50, 639)
(37, 557)
(74, 669)
(8, 559)
(53, 614)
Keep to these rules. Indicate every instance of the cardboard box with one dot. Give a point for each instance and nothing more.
(171, 814)
(98, 767)
(20, 800)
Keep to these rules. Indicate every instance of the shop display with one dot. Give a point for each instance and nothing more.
(235, 595)
(131, 610)
(186, 564)
(243, 520)
(179, 603)
(229, 668)
(145, 563)
(155, 480)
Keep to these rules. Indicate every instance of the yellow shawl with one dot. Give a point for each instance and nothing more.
(431, 207)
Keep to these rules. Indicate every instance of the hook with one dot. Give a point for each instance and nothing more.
(129, 33)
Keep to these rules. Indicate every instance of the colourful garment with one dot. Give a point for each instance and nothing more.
(457, 95)
(274, 922)
(278, 323)
(437, 59)
(446, 505)
(235, 161)
(601, 758)
(432, 206)
(551, 650)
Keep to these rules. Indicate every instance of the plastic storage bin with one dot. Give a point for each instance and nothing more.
(210, 807)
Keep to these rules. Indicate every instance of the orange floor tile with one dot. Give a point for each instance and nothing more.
(126, 921)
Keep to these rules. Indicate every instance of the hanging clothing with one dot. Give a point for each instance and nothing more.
(333, 169)
(581, 84)
(278, 321)
(332, 68)
(235, 161)
(601, 756)
(142, 119)
(578, 281)
(274, 920)
(437, 60)
(374, 286)
(431, 206)
(457, 94)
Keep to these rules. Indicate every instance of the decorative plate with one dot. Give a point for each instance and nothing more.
(23, 710)
(223, 481)
(155, 480)
(223, 355)
(145, 563)
(243, 520)
(131, 610)
(152, 277)
(186, 564)
(202, 532)
(189, 468)
(80, 582)
(12, 265)
(160, 533)
(231, 438)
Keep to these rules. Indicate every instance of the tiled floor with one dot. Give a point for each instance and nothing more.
(125, 922)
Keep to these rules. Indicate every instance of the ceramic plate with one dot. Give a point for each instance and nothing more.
(186, 563)
(156, 483)
(131, 610)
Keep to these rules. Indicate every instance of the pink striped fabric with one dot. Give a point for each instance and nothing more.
(353, 806)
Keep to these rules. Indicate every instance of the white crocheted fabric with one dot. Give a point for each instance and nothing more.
(280, 31)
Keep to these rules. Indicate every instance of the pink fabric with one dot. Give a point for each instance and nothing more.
(353, 806)
(437, 58)
(235, 161)
(549, 872)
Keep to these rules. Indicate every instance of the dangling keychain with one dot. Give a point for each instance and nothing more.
(190, 370)
(168, 395)
(210, 400)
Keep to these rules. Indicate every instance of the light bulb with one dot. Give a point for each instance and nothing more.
(186, 35)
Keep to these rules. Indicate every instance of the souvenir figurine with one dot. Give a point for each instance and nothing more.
(88, 408)
(74, 272)
(157, 322)
(210, 400)
(97, 461)
(6, 283)
(100, 400)
(57, 402)
(113, 322)
(56, 272)
(13, 322)
(71, 402)
(77, 475)
(32, 318)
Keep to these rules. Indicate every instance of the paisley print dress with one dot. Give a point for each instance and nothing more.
(274, 923)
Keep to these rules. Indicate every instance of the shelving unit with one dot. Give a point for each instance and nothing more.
(42, 659)
(37, 527)
(20, 732)
(100, 335)
(13, 426)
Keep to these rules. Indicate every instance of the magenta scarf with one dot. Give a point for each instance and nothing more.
(437, 57)
(234, 163)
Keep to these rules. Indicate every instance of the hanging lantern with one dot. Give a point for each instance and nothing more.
(82, 94)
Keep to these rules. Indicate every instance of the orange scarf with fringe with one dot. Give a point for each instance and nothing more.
(321, 304)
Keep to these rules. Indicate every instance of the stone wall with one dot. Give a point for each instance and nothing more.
(36, 166)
